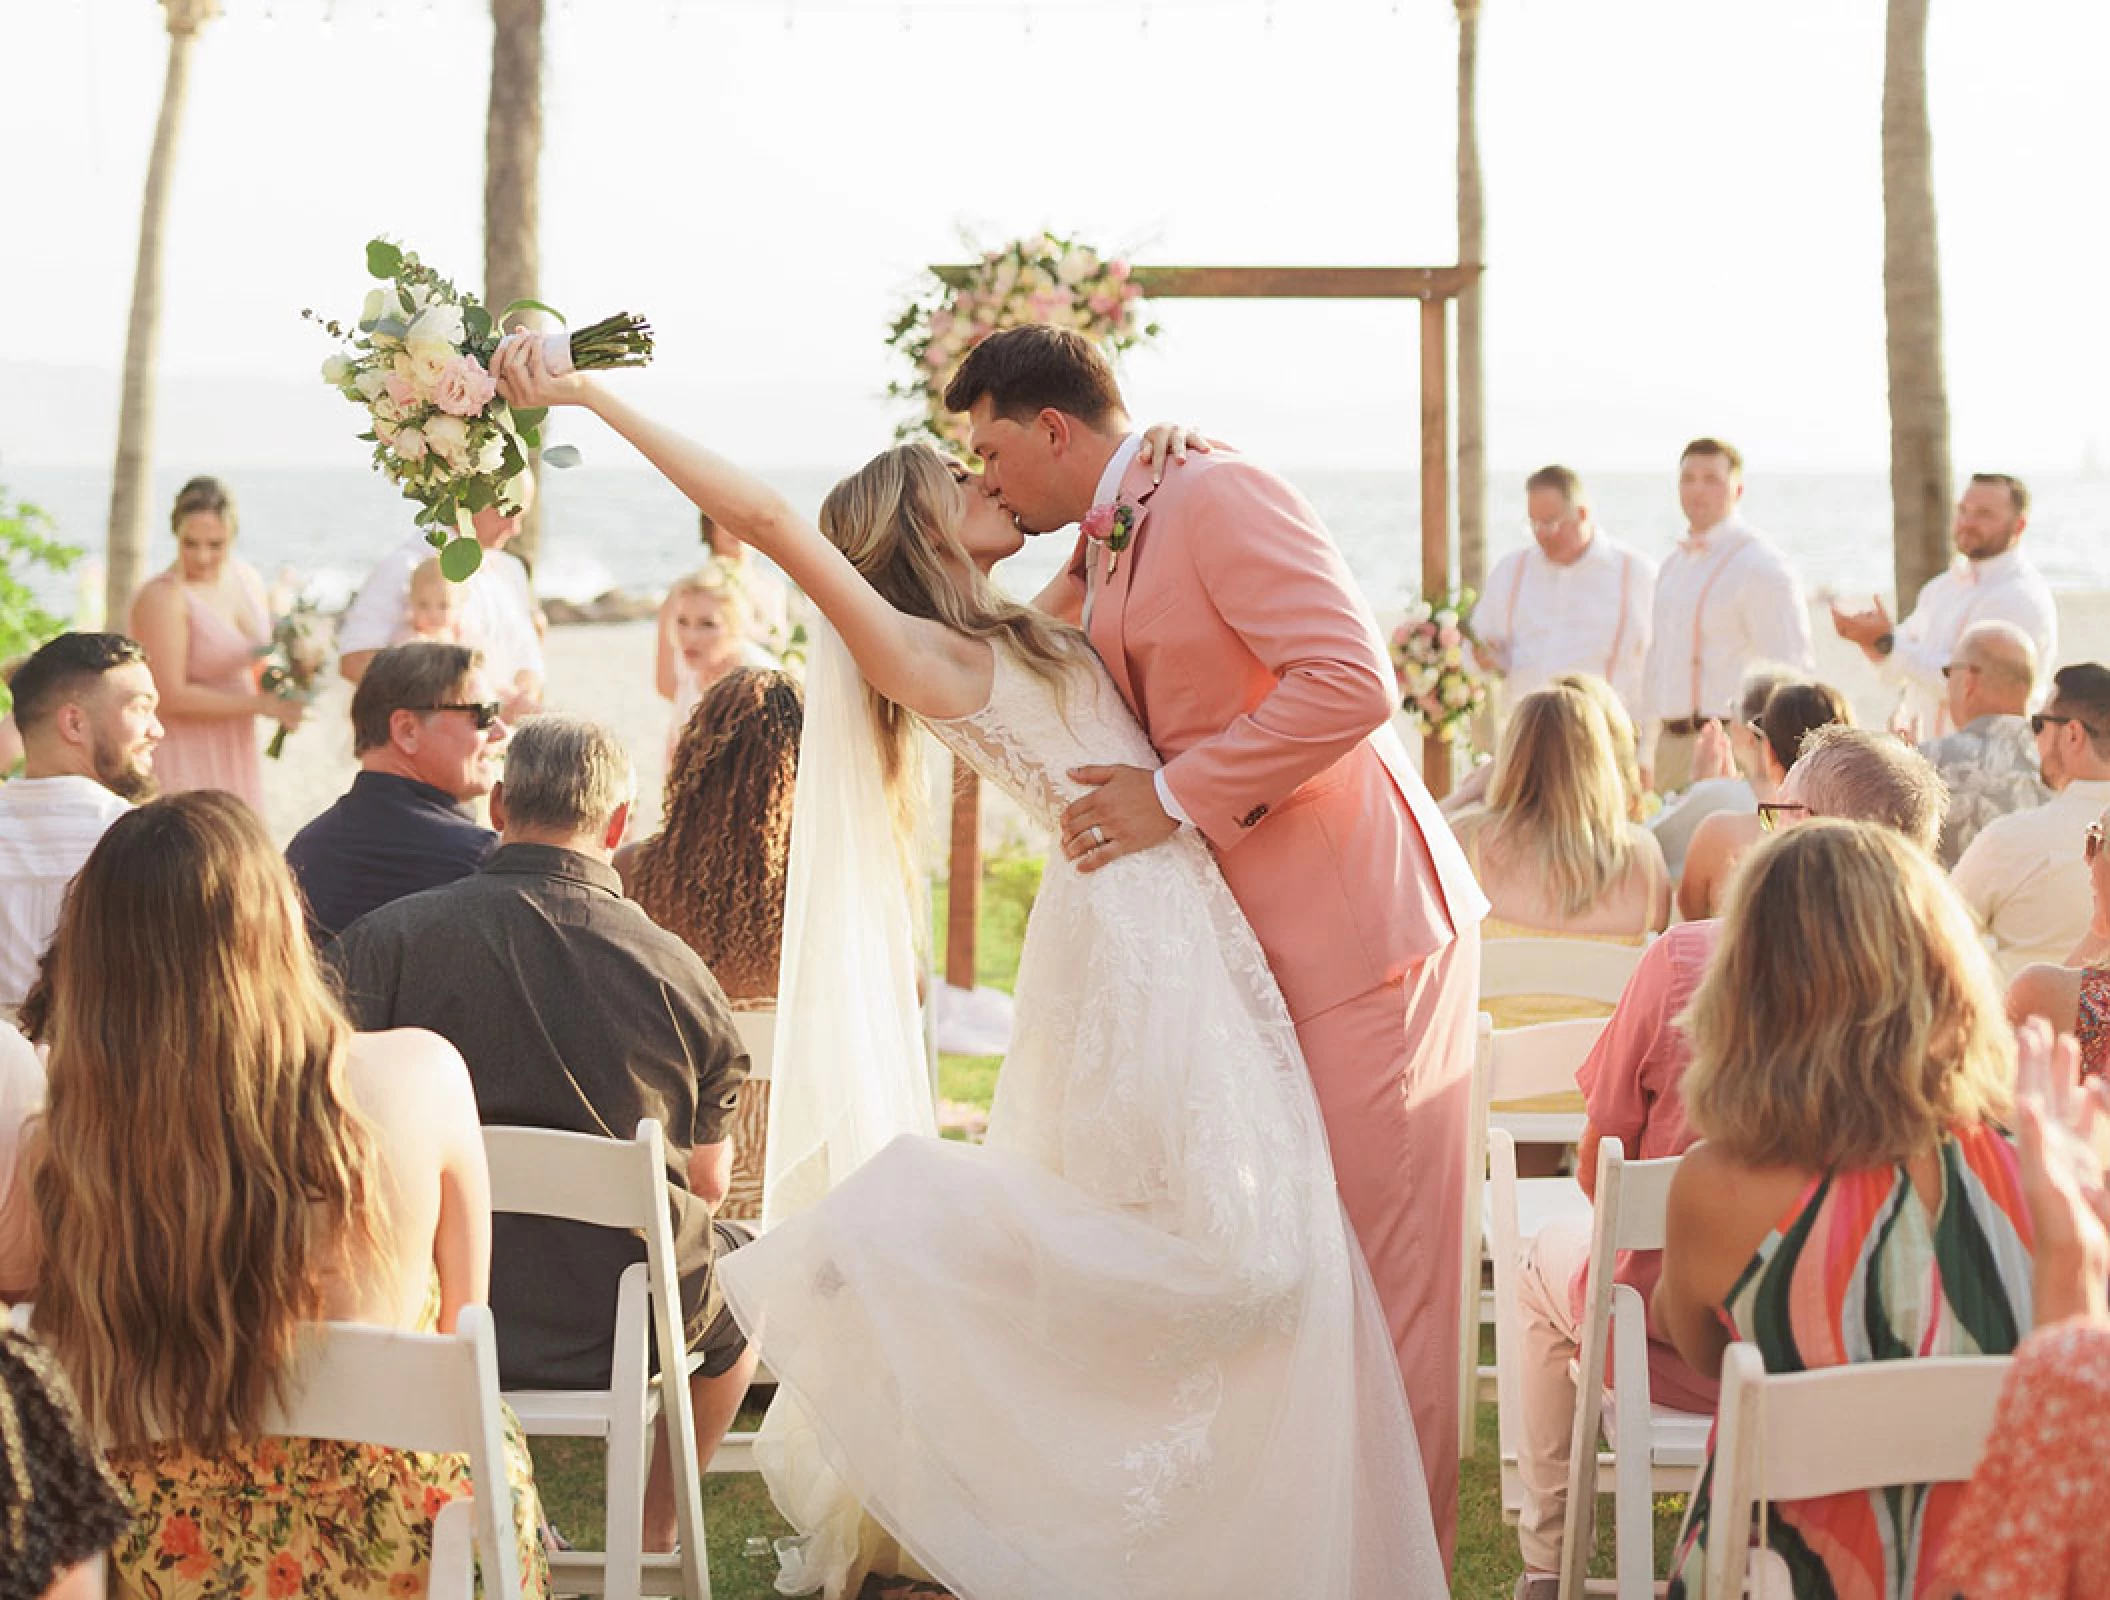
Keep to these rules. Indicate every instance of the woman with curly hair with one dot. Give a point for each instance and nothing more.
(222, 1161)
(714, 874)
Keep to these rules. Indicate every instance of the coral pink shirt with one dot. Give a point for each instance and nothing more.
(1630, 1088)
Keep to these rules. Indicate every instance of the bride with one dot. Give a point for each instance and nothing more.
(1129, 1346)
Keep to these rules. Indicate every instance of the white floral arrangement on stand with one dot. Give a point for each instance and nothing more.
(1044, 279)
(418, 364)
(1441, 686)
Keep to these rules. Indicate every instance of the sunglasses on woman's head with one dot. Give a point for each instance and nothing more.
(1771, 811)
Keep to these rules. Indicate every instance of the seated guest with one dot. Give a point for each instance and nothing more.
(1792, 712)
(1727, 772)
(1631, 1084)
(714, 874)
(1855, 1197)
(1552, 846)
(60, 1510)
(1990, 761)
(2031, 1524)
(574, 1011)
(2023, 876)
(427, 734)
(224, 1161)
(2075, 998)
(85, 705)
(1626, 739)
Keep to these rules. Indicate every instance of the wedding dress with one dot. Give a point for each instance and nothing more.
(1129, 1346)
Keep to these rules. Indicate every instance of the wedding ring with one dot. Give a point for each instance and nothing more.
(1098, 835)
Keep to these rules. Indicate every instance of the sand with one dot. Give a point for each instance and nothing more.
(605, 672)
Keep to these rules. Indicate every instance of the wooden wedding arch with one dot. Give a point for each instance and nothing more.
(1435, 288)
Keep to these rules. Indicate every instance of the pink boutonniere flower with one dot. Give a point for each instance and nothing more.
(1113, 524)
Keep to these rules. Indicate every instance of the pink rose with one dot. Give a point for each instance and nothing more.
(1450, 638)
(463, 388)
(402, 391)
(940, 324)
(1117, 269)
(1099, 521)
(1103, 305)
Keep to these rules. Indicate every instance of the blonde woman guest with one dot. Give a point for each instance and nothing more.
(222, 1161)
(1855, 1197)
(714, 876)
(704, 633)
(1770, 744)
(1553, 847)
(202, 621)
(2075, 998)
(1626, 744)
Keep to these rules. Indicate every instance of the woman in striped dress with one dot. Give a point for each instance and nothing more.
(1856, 1199)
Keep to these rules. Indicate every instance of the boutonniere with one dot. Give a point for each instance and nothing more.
(1113, 524)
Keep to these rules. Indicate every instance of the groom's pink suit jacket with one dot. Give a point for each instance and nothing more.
(1239, 638)
(1237, 634)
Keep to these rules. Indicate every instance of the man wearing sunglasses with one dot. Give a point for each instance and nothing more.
(427, 731)
(2023, 876)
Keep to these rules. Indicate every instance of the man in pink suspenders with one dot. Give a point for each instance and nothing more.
(1573, 600)
(1726, 599)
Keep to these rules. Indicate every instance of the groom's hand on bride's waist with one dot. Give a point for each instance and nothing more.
(1120, 816)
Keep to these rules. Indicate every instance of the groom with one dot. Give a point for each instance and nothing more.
(1236, 634)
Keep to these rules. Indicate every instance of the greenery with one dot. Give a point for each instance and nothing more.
(28, 538)
(737, 1506)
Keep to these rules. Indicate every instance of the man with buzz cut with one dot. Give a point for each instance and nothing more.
(1573, 600)
(84, 704)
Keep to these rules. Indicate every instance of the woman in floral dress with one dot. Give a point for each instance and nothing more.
(223, 1160)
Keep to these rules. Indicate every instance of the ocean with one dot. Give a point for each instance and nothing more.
(621, 528)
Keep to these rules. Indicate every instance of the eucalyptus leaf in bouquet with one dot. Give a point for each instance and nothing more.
(417, 362)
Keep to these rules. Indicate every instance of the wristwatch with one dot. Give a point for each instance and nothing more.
(1886, 642)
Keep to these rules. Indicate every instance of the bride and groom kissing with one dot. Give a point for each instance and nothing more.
(1188, 1322)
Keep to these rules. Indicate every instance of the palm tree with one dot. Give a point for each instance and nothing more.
(1919, 393)
(512, 183)
(1472, 244)
(132, 477)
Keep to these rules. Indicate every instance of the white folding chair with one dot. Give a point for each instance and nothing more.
(758, 1034)
(1870, 1425)
(1576, 969)
(622, 1184)
(357, 1384)
(1511, 1064)
(1654, 1449)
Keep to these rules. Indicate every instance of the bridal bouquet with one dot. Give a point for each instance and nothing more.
(293, 660)
(418, 363)
(1441, 686)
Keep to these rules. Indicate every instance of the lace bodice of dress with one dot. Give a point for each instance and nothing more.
(1027, 738)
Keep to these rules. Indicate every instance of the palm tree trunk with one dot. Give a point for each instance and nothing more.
(512, 185)
(1472, 243)
(131, 481)
(1920, 484)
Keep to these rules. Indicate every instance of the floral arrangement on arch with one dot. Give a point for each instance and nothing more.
(1044, 279)
(1441, 685)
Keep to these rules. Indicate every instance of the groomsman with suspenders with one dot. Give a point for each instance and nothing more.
(1574, 600)
(1725, 598)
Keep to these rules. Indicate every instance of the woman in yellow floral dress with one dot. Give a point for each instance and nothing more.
(222, 1161)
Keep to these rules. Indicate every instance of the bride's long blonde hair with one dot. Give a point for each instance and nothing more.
(898, 518)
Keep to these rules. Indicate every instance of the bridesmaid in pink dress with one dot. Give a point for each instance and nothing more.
(202, 623)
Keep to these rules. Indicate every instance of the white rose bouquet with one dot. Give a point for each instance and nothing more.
(418, 363)
(1441, 686)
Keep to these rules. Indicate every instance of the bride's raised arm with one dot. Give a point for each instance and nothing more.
(913, 661)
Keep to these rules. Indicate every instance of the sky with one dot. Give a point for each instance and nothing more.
(1684, 210)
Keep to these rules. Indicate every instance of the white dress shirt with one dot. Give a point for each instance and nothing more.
(2002, 588)
(497, 617)
(48, 826)
(1726, 599)
(1592, 615)
(2025, 881)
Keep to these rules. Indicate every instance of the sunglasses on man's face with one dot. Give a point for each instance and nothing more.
(2041, 720)
(1770, 813)
(485, 712)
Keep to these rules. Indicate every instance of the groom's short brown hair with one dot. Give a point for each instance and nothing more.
(1023, 371)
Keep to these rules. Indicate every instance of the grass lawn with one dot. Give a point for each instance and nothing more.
(738, 1508)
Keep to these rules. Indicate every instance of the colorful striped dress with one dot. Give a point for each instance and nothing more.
(1859, 1270)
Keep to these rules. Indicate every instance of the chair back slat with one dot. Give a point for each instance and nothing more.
(1526, 1063)
(758, 1033)
(1581, 969)
(613, 1183)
